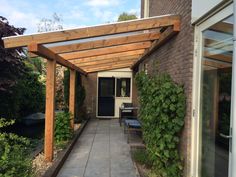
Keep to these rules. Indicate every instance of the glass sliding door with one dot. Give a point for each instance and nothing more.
(215, 99)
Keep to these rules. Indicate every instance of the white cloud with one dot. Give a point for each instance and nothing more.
(103, 15)
(135, 11)
(17, 18)
(99, 3)
(75, 14)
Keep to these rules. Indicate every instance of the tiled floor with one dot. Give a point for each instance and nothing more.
(101, 151)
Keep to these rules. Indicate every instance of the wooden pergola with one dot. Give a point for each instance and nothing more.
(93, 49)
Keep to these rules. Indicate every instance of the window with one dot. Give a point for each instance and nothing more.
(123, 87)
(215, 111)
(146, 8)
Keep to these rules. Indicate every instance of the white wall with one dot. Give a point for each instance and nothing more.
(201, 7)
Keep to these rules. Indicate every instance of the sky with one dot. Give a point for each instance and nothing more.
(75, 13)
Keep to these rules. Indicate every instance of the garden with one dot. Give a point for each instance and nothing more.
(22, 95)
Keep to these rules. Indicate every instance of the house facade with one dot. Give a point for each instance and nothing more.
(200, 58)
(107, 90)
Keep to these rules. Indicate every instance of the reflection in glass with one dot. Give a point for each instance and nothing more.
(216, 98)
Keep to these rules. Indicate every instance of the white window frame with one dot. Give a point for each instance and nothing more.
(217, 16)
(146, 8)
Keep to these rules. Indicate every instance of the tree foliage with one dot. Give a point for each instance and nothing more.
(47, 24)
(162, 112)
(11, 66)
(126, 16)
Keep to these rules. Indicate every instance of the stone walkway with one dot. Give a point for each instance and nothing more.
(101, 151)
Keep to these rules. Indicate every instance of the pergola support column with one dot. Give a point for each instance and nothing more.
(50, 110)
(72, 96)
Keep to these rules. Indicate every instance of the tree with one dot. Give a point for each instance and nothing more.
(47, 24)
(11, 65)
(21, 93)
(126, 16)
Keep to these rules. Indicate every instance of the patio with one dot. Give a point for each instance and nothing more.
(101, 150)
(90, 50)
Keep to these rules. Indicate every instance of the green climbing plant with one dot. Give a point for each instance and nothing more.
(162, 112)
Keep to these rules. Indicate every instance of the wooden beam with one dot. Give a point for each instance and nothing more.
(109, 56)
(50, 55)
(94, 31)
(104, 43)
(108, 61)
(225, 45)
(72, 97)
(50, 110)
(109, 67)
(165, 36)
(216, 64)
(220, 57)
(105, 51)
(223, 27)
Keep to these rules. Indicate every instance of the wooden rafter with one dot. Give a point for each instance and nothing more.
(108, 61)
(105, 51)
(104, 43)
(220, 57)
(50, 55)
(216, 64)
(223, 27)
(109, 56)
(94, 31)
(108, 67)
(165, 36)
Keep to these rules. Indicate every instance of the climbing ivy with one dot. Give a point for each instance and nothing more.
(162, 112)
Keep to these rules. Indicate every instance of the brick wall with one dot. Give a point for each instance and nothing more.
(90, 84)
(176, 58)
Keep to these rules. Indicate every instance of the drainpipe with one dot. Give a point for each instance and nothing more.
(233, 104)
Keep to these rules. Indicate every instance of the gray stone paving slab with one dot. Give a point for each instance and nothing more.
(101, 151)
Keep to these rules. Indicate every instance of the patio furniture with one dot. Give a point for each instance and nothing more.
(130, 126)
(127, 111)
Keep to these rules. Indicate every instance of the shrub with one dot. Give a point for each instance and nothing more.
(14, 159)
(27, 96)
(32, 94)
(63, 131)
(162, 112)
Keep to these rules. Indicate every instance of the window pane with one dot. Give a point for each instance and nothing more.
(216, 98)
(123, 87)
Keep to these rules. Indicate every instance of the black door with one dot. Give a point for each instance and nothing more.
(106, 96)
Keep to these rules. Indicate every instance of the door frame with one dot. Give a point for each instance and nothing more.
(217, 16)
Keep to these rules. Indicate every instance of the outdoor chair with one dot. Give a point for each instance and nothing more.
(130, 126)
(127, 111)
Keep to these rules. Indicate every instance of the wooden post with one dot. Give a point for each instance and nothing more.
(50, 110)
(72, 96)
